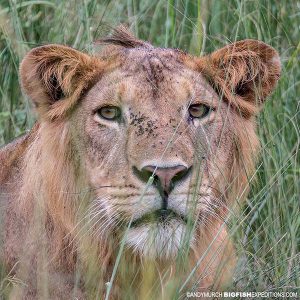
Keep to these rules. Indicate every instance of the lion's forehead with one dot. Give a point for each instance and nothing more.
(154, 60)
(155, 80)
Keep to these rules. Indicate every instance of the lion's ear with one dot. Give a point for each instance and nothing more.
(245, 73)
(55, 77)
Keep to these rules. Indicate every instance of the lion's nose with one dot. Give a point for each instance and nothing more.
(167, 177)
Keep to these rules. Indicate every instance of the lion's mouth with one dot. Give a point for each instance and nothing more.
(162, 216)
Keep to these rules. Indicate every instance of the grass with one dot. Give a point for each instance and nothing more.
(267, 231)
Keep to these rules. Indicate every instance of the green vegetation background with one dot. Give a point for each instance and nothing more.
(267, 232)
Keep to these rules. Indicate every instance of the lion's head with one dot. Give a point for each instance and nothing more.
(157, 138)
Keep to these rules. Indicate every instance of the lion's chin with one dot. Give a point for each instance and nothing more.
(159, 240)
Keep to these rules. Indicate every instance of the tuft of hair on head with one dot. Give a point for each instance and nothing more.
(121, 36)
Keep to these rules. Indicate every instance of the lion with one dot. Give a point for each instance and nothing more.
(124, 186)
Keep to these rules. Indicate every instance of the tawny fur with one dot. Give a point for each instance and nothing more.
(45, 182)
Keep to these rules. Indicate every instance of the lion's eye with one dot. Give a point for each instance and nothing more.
(198, 110)
(112, 113)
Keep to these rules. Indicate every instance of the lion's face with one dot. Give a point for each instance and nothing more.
(162, 148)
(153, 116)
